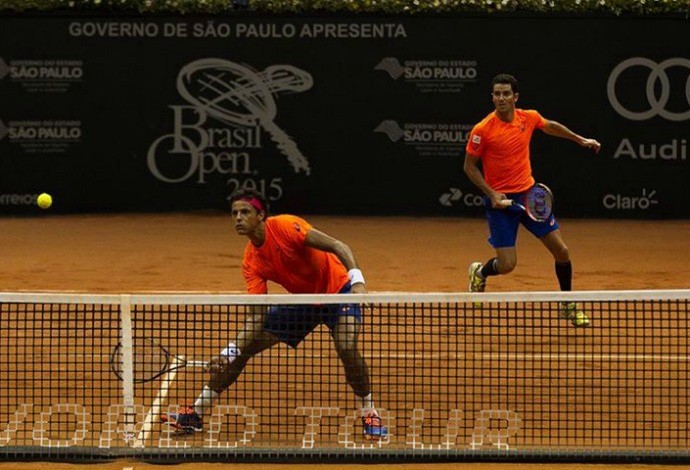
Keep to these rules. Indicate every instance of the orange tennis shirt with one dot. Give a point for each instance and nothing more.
(285, 259)
(503, 148)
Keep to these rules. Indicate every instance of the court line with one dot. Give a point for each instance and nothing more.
(537, 356)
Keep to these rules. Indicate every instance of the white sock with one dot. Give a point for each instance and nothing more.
(367, 405)
(205, 400)
(207, 396)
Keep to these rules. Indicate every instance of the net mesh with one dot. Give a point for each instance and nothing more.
(448, 377)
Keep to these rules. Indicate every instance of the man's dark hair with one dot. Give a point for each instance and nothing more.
(246, 194)
(505, 79)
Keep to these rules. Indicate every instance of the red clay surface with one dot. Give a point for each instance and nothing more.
(200, 252)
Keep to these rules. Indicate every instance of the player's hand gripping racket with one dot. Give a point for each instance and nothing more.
(538, 203)
(150, 360)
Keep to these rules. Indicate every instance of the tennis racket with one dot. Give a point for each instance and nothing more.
(538, 203)
(150, 360)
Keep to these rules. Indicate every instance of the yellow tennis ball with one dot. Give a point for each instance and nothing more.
(44, 200)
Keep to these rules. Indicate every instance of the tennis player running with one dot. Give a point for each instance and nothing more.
(287, 250)
(501, 143)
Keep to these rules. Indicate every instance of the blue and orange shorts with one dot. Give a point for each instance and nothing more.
(504, 223)
(292, 323)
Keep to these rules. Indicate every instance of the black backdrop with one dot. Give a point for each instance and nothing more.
(335, 115)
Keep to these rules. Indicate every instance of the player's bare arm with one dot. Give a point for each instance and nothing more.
(471, 168)
(557, 129)
(252, 329)
(322, 241)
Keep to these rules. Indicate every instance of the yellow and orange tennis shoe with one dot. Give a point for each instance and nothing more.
(571, 311)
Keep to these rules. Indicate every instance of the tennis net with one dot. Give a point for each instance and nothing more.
(450, 379)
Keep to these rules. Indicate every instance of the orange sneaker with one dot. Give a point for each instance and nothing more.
(184, 421)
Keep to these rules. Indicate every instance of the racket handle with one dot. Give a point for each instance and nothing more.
(506, 202)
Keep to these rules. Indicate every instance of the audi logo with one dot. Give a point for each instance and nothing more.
(657, 73)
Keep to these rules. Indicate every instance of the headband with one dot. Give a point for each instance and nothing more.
(254, 202)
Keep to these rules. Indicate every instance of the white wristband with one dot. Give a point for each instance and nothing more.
(231, 352)
(355, 276)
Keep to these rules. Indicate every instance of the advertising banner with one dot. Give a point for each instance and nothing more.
(335, 115)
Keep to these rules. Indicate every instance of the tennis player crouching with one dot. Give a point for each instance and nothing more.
(501, 142)
(287, 250)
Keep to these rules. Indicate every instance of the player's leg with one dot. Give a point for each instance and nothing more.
(553, 241)
(503, 229)
(345, 336)
(289, 324)
(549, 234)
(225, 369)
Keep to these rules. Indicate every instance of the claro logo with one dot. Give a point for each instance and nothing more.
(456, 197)
(657, 79)
(622, 202)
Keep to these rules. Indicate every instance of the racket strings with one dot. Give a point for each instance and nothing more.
(539, 203)
(149, 360)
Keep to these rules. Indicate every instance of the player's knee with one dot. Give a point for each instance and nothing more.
(507, 266)
(562, 254)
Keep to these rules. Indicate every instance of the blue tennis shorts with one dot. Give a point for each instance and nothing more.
(292, 323)
(504, 224)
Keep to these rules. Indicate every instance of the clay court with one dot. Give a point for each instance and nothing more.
(200, 252)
